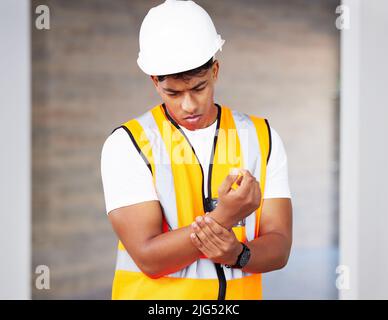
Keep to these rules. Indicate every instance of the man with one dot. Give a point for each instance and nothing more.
(196, 192)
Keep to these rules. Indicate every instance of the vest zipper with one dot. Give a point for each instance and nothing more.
(220, 271)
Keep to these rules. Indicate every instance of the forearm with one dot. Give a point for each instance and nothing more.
(172, 251)
(269, 252)
(169, 252)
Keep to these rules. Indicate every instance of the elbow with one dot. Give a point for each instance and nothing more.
(150, 269)
(150, 265)
(154, 270)
(147, 263)
(283, 260)
(151, 274)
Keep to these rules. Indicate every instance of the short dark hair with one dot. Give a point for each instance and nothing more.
(187, 75)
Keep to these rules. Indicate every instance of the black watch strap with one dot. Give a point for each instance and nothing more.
(242, 259)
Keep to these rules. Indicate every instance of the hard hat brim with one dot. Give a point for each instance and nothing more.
(148, 67)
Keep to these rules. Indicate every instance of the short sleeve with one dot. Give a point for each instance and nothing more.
(276, 185)
(125, 176)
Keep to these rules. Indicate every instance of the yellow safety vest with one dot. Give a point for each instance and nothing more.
(241, 141)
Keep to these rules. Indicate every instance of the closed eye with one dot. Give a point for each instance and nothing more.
(199, 89)
(173, 94)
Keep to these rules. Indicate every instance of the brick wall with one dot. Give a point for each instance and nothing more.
(280, 61)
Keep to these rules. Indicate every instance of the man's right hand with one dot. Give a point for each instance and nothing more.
(235, 205)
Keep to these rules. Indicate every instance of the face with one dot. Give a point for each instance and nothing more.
(188, 98)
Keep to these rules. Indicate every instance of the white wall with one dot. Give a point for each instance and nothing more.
(364, 150)
(15, 139)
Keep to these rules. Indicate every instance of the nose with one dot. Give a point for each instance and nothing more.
(188, 104)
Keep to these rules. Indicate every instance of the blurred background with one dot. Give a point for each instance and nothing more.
(317, 70)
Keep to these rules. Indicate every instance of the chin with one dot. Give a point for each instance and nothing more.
(191, 127)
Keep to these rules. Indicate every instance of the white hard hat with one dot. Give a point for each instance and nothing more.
(176, 36)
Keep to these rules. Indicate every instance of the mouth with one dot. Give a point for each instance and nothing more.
(193, 119)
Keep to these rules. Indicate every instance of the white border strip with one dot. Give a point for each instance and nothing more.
(15, 141)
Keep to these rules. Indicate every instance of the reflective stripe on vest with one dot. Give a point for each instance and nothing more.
(242, 141)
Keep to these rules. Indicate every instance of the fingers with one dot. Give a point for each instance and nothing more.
(249, 189)
(226, 185)
(246, 182)
(205, 236)
(217, 235)
(214, 241)
(237, 182)
(195, 240)
(234, 179)
(239, 179)
(216, 229)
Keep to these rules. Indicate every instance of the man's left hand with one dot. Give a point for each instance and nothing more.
(214, 241)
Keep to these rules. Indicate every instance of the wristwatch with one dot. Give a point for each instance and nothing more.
(242, 259)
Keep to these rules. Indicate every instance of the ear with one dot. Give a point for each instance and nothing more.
(155, 81)
(215, 69)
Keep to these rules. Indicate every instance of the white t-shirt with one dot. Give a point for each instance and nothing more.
(127, 180)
